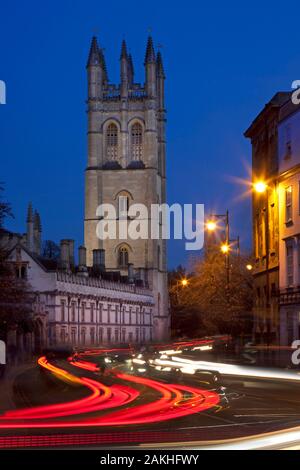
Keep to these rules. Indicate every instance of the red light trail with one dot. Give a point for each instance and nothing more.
(175, 401)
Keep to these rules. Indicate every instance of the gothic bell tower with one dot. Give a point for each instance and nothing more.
(127, 165)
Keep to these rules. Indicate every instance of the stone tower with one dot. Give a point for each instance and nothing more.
(126, 165)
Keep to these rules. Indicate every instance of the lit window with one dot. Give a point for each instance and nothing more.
(288, 204)
(290, 263)
(137, 141)
(112, 142)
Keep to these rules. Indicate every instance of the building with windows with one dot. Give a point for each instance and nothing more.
(127, 166)
(263, 134)
(275, 138)
(117, 292)
(74, 304)
(289, 221)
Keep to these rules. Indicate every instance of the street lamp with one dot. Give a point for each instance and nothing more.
(225, 248)
(260, 187)
(211, 225)
(184, 282)
(249, 267)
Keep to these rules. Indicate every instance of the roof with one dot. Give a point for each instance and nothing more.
(278, 100)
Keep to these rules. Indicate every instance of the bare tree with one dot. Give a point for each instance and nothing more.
(15, 296)
(50, 250)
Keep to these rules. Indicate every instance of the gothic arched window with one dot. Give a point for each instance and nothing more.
(123, 257)
(112, 142)
(137, 141)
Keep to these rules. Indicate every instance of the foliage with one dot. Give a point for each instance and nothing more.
(5, 209)
(209, 304)
(15, 295)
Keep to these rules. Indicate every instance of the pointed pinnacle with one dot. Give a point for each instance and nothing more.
(160, 67)
(150, 54)
(124, 54)
(37, 221)
(29, 213)
(94, 55)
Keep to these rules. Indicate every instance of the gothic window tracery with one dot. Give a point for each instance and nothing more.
(123, 257)
(137, 142)
(112, 142)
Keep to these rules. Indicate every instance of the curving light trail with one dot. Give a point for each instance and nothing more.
(174, 402)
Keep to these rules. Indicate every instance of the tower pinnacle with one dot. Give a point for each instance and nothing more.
(150, 54)
(124, 54)
(29, 213)
(160, 66)
(94, 55)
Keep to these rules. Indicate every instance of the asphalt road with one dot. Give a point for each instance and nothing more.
(74, 404)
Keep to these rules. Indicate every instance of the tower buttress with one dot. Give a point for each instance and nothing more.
(124, 70)
(30, 232)
(37, 230)
(130, 71)
(95, 71)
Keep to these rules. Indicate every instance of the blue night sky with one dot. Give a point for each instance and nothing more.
(223, 62)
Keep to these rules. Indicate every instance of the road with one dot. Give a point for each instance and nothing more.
(76, 402)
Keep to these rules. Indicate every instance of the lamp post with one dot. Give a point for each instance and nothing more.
(225, 247)
(261, 188)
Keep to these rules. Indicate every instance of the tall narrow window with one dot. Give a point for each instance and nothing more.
(92, 313)
(112, 142)
(288, 204)
(92, 333)
(123, 257)
(83, 312)
(137, 141)
(272, 227)
(123, 206)
(62, 310)
(290, 263)
(73, 307)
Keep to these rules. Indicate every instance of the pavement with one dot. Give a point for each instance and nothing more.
(7, 395)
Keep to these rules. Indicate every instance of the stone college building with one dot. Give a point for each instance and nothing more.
(117, 292)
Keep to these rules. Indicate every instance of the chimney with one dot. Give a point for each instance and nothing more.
(130, 273)
(82, 261)
(30, 230)
(71, 253)
(65, 255)
(37, 229)
(82, 256)
(102, 259)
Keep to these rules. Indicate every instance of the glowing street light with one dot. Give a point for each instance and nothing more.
(184, 282)
(225, 248)
(249, 267)
(260, 187)
(211, 225)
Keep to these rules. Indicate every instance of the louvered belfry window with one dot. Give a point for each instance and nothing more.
(137, 141)
(112, 142)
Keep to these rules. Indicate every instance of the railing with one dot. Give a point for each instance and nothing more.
(113, 94)
(289, 295)
(101, 283)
